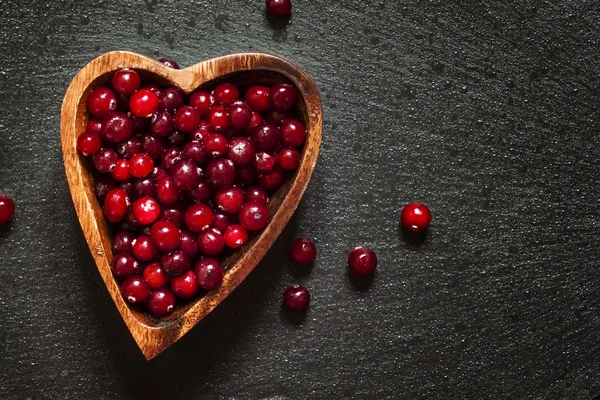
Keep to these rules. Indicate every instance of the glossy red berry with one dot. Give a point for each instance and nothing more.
(229, 199)
(241, 150)
(165, 235)
(101, 101)
(279, 8)
(126, 81)
(187, 118)
(144, 249)
(362, 261)
(169, 62)
(211, 242)
(209, 273)
(303, 251)
(185, 286)
(296, 298)
(175, 263)
(115, 205)
(135, 289)
(226, 93)
(415, 217)
(289, 158)
(253, 216)
(161, 301)
(272, 180)
(7, 208)
(218, 118)
(220, 172)
(283, 96)
(265, 136)
(124, 265)
(264, 161)
(105, 160)
(166, 192)
(121, 171)
(129, 148)
(146, 210)
(143, 103)
(188, 244)
(117, 127)
(222, 221)
(235, 236)
(170, 99)
(198, 217)
(94, 125)
(256, 194)
(162, 123)
(185, 174)
(215, 144)
(255, 120)
(88, 143)
(292, 132)
(155, 276)
(141, 165)
(122, 242)
(240, 115)
(202, 101)
(257, 98)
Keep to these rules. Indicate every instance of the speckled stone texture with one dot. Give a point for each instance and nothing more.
(486, 111)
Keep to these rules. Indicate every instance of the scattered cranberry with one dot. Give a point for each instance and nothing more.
(257, 98)
(165, 235)
(141, 165)
(362, 261)
(88, 143)
(256, 194)
(170, 156)
(116, 127)
(211, 242)
(105, 160)
(289, 158)
(115, 205)
(161, 301)
(185, 286)
(153, 146)
(198, 217)
(296, 298)
(135, 289)
(202, 101)
(416, 217)
(226, 93)
(124, 265)
(229, 199)
(155, 276)
(283, 96)
(209, 273)
(303, 251)
(175, 263)
(101, 101)
(126, 81)
(254, 216)
(121, 171)
(169, 62)
(143, 103)
(146, 210)
(187, 118)
(235, 236)
(7, 208)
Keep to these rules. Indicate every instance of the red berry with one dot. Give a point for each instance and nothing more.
(253, 216)
(135, 289)
(124, 265)
(117, 127)
(235, 236)
(165, 235)
(88, 143)
(198, 217)
(209, 273)
(256, 194)
(126, 81)
(121, 171)
(7, 208)
(105, 160)
(115, 205)
(218, 118)
(203, 191)
(140, 165)
(122, 242)
(143, 103)
(215, 144)
(416, 217)
(188, 244)
(303, 251)
(155, 276)
(273, 179)
(289, 158)
(185, 174)
(166, 192)
(257, 98)
(187, 118)
(265, 136)
(229, 199)
(161, 301)
(226, 93)
(220, 172)
(292, 132)
(101, 101)
(144, 249)
(202, 101)
(255, 120)
(185, 286)
(211, 242)
(362, 261)
(296, 298)
(241, 150)
(222, 221)
(264, 161)
(169, 62)
(94, 125)
(283, 96)
(146, 210)
(279, 8)
(175, 263)
(170, 100)
(240, 115)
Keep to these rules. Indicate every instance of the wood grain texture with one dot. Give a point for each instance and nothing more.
(151, 334)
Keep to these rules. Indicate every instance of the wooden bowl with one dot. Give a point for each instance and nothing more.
(151, 334)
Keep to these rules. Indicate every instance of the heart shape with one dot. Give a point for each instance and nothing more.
(151, 334)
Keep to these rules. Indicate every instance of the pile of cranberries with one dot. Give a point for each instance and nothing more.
(183, 179)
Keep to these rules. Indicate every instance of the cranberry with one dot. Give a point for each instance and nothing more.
(135, 289)
(116, 127)
(265, 135)
(264, 162)
(272, 180)
(226, 93)
(131, 221)
(257, 98)
(177, 138)
(170, 99)
(188, 244)
(169, 62)
(161, 124)
(7, 208)
(141, 165)
(155, 276)
(203, 191)
(241, 150)
(144, 187)
(170, 157)
(253, 216)
(185, 286)
(140, 124)
(220, 172)
(121, 171)
(129, 148)
(222, 221)
(255, 120)
(218, 118)
(215, 144)
(185, 174)
(235, 236)
(161, 301)
(115, 205)
(127, 187)
(122, 242)
(283, 96)
(198, 217)
(159, 172)
(165, 235)
(245, 174)
(200, 132)
(154, 87)
(202, 101)
(303, 251)
(175, 263)
(240, 115)
(362, 261)
(143, 103)
(94, 125)
(211, 242)
(278, 116)
(153, 146)
(144, 248)
(292, 132)
(256, 194)
(229, 199)
(101, 101)
(209, 273)
(104, 184)
(166, 192)
(289, 158)
(187, 118)
(296, 298)
(175, 214)
(416, 217)
(124, 265)
(126, 81)
(146, 210)
(88, 143)
(279, 8)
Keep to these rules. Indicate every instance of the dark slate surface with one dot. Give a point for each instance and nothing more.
(487, 111)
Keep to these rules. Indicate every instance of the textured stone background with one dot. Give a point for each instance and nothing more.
(487, 111)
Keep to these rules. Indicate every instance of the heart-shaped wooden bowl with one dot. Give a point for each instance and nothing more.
(155, 335)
